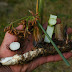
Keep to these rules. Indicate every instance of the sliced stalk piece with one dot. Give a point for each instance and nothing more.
(14, 46)
(49, 31)
(52, 20)
(53, 16)
(59, 32)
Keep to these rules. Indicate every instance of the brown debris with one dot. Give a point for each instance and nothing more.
(28, 28)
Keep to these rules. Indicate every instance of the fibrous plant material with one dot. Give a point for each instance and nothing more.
(45, 50)
(30, 26)
(66, 36)
(59, 32)
(59, 52)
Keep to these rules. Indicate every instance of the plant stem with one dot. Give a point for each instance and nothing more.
(59, 52)
(59, 32)
(37, 5)
(41, 6)
(18, 20)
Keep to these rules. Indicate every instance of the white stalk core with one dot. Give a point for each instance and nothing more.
(14, 46)
(25, 57)
(50, 28)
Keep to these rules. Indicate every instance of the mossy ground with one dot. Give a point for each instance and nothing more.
(11, 10)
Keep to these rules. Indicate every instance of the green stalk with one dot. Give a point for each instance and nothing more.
(59, 52)
(18, 20)
(41, 7)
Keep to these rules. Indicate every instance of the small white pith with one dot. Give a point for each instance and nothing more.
(14, 46)
(52, 20)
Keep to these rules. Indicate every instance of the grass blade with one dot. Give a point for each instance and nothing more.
(41, 7)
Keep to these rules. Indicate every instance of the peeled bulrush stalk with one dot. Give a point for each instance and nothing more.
(50, 27)
(21, 59)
